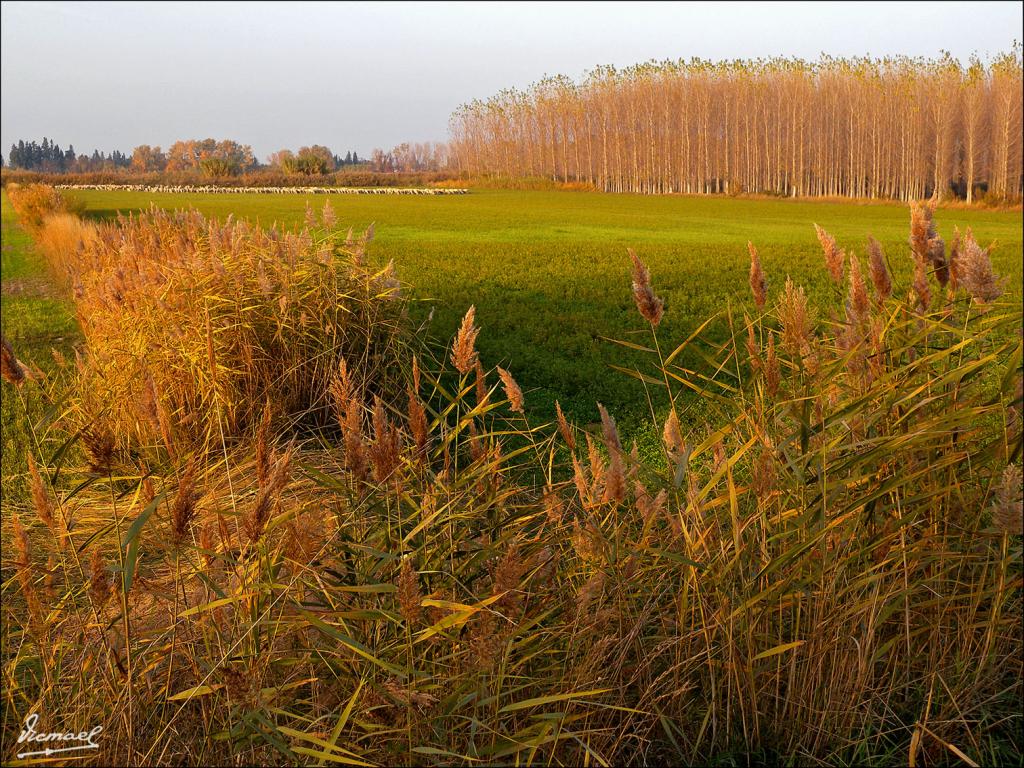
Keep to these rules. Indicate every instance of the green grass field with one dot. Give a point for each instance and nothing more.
(549, 274)
(35, 321)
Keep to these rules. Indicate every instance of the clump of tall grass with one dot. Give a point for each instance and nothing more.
(35, 202)
(190, 325)
(828, 571)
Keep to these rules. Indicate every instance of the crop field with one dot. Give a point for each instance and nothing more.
(548, 272)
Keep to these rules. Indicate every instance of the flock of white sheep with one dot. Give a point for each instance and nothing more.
(268, 190)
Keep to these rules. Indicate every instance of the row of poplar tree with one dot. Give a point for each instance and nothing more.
(894, 127)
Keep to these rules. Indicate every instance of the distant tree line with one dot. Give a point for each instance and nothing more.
(219, 159)
(895, 127)
(48, 157)
(207, 157)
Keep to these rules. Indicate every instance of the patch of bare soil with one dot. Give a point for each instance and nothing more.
(27, 286)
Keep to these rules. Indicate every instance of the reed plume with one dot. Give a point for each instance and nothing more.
(925, 242)
(1007, 511)
(921, 289)
(564, 428)
(878, 270)
(386, 449)
(834, 256)
(673, 436)
(409, 597)
(40, 496)
(858, 298)
(975, 272)
(480, 385)
(758, 282)
(650, 306)
(609, 431)
(954, 260)
(327, 215)
(464, 353)
(99, 579)
(256, 521)
(418, 426)
(10, 368)
(513, 393)
(795, 317)
(183, 510)
(23, 563)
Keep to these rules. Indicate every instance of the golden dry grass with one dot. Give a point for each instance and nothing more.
(826, 574)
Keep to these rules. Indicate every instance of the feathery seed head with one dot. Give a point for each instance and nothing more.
(1007, 511)
(834, 257)
(409, 597)
(878, 270)
(758, 282)
(859, 304)
(650, 306)
(10, 368)
(564, 428)
(464, 353)
(513, 394)
(975, 272)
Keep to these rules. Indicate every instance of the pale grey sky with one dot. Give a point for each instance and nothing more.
(362, 75)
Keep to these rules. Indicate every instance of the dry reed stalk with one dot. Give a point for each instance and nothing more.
(464, 353)
(513, 393)
(261, 446)
(878, 270)
(564, 428)
(858, 299)
(925, 242)
(795, 317)
(954, 260)
(23, 563)
(386, 449)
(40, 496)
(10, 368)
(481, 385)
(752, 346)
(651, 307)
(50, 580)
(609, 431)
(409, 597)
(834, 256)
(327, 215)
(1007, 512)
(579, 478)
(183, 509)
(615, 480)
(772, 373)
(554, 507)
(758, 281)
(672, 436)
(255, 522)
(975, 271)
(921, 290)
(99, 578)
(418, 426)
